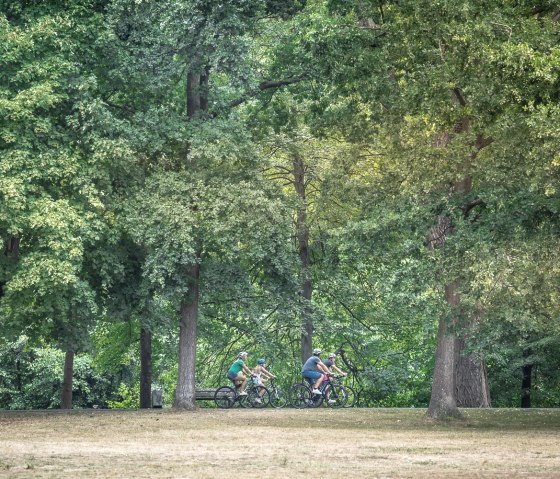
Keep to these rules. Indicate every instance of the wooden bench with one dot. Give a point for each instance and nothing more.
(205, 394)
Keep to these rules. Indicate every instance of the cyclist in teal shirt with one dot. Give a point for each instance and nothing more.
(235, 372)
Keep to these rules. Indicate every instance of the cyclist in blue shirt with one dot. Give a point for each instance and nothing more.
(313, 370)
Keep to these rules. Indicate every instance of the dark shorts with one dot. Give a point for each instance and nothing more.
(231, 376)
(313, 375)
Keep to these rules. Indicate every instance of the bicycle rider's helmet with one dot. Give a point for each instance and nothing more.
(316, 352)
(332, 355)
(261, 361)
(243, 353)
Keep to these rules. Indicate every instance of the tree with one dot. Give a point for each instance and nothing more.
(443, 82)
(191, 41)
(55, 155)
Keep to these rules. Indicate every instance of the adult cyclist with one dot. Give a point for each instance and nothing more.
(313, 370)
(235, 372)
(330, 363)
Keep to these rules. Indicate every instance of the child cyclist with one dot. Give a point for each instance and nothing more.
(235, 372)
(261, 374)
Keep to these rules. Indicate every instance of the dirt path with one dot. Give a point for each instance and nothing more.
(351, 443)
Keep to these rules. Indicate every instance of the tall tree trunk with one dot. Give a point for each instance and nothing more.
(302, 234)
(526, 380)
(145, 368)
(446, 381)
(203, 89)
(11, 250)
(193, 94)
(185, 392)
(197, 102)
(12, 247)
(472, 380)
(443, 401)
(66, 394)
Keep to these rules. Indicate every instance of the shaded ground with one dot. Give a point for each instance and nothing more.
(289, 443)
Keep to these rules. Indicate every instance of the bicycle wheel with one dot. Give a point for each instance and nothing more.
(351, 396)
(316, 399)
(224, 397)
(258, 397)
(300, 396)
(277, 398)
(336, 396)
(241, 400)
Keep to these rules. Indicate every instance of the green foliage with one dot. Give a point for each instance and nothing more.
(31, 378)
(129, 398)
(111, 193)
(54, 159)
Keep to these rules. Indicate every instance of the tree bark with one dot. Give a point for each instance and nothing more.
(452, 372)
(526, 381)
(472, 379)
(66, 394)
(443, 401)
(193, 94)
(185, 392)
(197, 102)
(145, 368)
(11, 250)
(12, 247)
(302, 234)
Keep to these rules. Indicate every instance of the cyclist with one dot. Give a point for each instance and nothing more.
(261, 374)
(235, 372)
(313, 370)
(330, 363)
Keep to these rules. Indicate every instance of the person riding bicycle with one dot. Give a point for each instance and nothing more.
(330, 363)
(235, 372)
(313, 370)
(261, 374)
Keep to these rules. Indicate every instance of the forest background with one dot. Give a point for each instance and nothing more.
(185, 179)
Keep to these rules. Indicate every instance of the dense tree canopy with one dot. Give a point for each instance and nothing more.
(274, 176)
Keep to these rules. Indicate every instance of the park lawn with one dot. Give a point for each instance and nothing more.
(287, 443)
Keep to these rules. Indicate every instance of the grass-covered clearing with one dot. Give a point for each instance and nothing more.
(209, 443)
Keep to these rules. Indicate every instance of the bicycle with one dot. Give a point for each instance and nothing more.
(302, 396)
(258, 396)
(351, 396)
(333, 393)
(226, 396)
(348, 391)
(277, 397)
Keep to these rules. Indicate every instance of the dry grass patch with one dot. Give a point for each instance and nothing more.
(209, 443)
